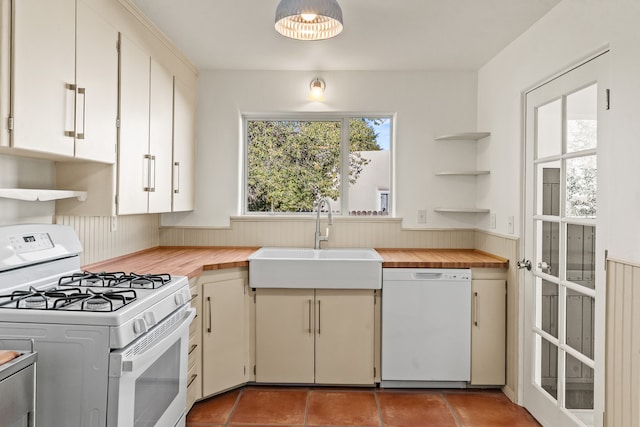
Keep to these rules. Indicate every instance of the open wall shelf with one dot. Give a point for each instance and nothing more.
(33, 195)
(462, 210)
(463, 136)
(462, 173)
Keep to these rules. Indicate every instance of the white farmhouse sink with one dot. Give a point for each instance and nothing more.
(315, 268)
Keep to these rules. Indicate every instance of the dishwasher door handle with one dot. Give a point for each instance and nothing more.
(427, 276)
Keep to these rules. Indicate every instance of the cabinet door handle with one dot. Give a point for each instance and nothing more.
(82, 91)
(475, 311)
(151, 173)
(176, 177)
(319, 322)
(70, 110)
(192, 378)
(209, 306)
(193, 347)
(310, 331)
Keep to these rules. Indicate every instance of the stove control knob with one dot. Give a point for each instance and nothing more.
(150, 318)
(139, 326)
(180, 299)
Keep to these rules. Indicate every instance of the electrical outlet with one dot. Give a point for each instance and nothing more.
(510, 220)
(492, 220)
(422, 216)
(114, 223)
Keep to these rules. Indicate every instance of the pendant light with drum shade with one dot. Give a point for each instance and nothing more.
(309, 19)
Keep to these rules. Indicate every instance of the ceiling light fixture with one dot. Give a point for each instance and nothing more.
(316, 92)
(309, 19)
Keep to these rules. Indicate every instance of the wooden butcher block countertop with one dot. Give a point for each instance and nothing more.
(440, 258)
(191, 261)
(188, 261)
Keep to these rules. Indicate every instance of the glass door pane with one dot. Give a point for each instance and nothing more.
(582, 123)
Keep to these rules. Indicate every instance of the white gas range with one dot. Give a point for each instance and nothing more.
(112, 347)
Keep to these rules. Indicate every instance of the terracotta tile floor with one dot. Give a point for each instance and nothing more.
(323, 407)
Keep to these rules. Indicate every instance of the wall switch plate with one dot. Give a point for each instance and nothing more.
(510, 220)
(422, 216)
(492, 221)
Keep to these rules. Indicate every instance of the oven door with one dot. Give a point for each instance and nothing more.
(148, 378)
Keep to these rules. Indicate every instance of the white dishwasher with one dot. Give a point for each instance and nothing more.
(426, 327)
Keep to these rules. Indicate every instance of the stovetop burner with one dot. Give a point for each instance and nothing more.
(115, 280)
(71, 299)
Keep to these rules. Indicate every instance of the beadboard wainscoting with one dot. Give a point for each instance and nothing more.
(299, 232)
(104, 237)
(622, 370)
(507, 247)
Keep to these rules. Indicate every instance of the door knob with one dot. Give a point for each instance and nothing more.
(544, 267)
(525, 263)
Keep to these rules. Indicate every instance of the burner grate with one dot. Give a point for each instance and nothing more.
(70, 299)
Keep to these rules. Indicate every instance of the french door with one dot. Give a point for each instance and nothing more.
(564, 286)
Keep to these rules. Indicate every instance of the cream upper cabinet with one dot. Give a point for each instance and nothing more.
(183, 188)
(96, 86)
(134, 165)
(160, 138)
(63, 81)
(488, 332)
(321, 336)
(224, 338)
(146, 122)
(43, 76)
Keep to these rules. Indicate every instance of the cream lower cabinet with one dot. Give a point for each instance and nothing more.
(488, 332)
(194, 367)
(225, 349)
(315, 336)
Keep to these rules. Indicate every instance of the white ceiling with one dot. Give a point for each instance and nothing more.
(378, 34)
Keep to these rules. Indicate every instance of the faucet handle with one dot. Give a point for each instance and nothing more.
(326, 233)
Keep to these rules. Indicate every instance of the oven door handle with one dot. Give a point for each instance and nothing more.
(125, 360)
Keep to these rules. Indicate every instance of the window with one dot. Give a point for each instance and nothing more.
(292, 162)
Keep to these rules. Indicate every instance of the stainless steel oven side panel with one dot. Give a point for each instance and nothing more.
(129, 364)
(72, 377)
(17, 408)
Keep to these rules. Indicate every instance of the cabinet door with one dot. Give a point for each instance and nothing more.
(184, 147)
(5, 68)
(97, 82)
(344, 336)
(488, 332)
(133, 164)
(43, 94)
(284, 335)
(223, 332)
(160, 138)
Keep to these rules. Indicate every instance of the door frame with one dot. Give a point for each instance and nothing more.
(599, 333)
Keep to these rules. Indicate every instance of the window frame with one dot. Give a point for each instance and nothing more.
(344, 118)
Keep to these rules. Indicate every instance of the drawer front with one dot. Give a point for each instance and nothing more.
(194, 387)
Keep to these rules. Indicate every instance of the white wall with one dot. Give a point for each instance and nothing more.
(426, 104)
(572, 31)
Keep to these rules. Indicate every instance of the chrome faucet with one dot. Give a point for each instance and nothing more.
(319, 237)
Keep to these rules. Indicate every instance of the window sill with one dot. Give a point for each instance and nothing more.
(312, 217)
